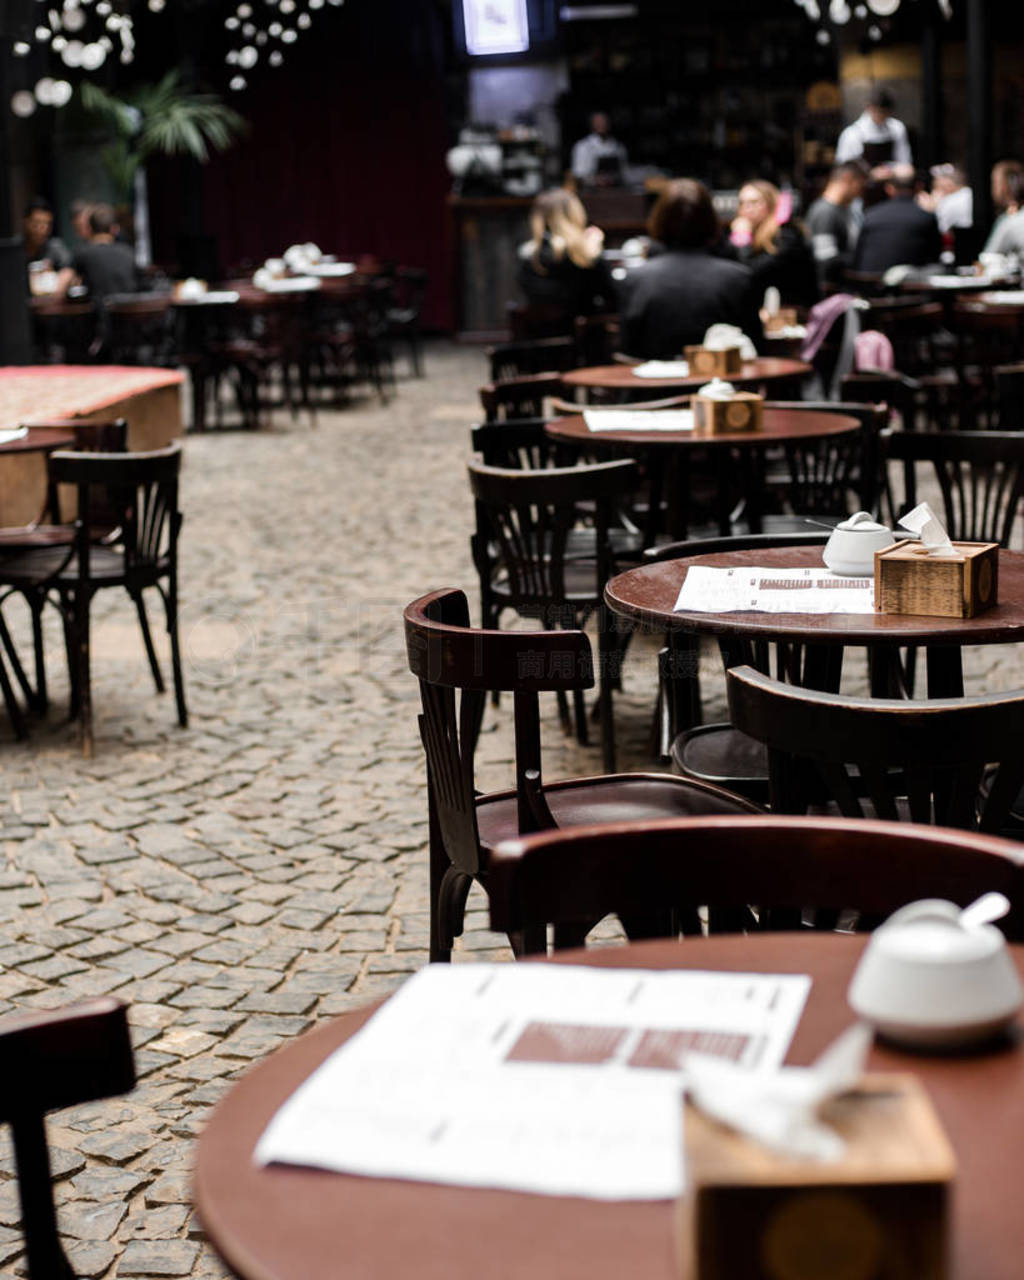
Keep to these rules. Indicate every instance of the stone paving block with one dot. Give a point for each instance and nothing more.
(92, 1221)
(90, 1259)
(157, 1258)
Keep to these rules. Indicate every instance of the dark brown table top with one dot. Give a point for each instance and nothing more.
(40, 440)
(286, 1223)
(647, 595)
(779, 425)
(620, 377)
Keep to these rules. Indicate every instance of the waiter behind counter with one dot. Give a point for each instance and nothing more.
(692, 278)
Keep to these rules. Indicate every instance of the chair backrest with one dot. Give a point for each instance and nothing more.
(542, 355)
(987, 336)
(451, 658)
(521, 444)
(528, 320)
(596, 338)
(566, 407)
(934, 754)
(825, 471)
(1010, 396)
(521, 397)
(141, 489)
(894, 389)
(980, 475)
(531, 514)
(50, 1060)
(782, 864)
(90, 437)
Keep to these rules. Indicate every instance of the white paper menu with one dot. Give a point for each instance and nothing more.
(766, 590)
(638, 419)
(560, 1080)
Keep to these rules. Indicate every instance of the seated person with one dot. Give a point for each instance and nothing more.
(561, 265)
(773, 247)
(898, 232)
(831, 224)
(950, 198)
(105, 265)
(1007, 234)
(43, 250)
(674, 298)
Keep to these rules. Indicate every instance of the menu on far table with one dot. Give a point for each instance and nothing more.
(554, 1079)
(638, 419)
(753, 589)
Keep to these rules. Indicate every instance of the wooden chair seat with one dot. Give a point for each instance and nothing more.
(59, 564)
(722, 755)
(622, 797)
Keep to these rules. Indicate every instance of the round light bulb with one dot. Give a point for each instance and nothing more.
(44, 90)
(884, 8)
(60, 94)
(23, 103)
(20, 49)
(248, 57)
(237, 83)
(276, 58)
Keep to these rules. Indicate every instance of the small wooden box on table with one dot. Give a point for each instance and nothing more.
(881, 1209)
(743, 411)
(708, 363)
(909, 580)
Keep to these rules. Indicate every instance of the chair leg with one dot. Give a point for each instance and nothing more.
(41, 698)
(11, 703)
(609, 654)
(147, 640)
(46, 1259)
(171, 608)
(16, 667)
(81, 643)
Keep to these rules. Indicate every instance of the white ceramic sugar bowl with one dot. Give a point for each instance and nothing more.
(934, 977)
(852, 546)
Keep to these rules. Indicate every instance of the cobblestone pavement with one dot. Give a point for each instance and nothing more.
(241, 879)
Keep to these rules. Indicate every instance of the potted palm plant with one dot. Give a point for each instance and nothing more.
(168, 118)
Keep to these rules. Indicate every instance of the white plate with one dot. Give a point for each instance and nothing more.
(328, 270)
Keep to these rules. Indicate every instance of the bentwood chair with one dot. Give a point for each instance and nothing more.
(955, 762)
(861, 870)
(51, 529)
(142, 552)
(980, 475)
(542, 568)
(521, 397)
(458, 666)
(542, 355)
(403, 315)
(48, 1061)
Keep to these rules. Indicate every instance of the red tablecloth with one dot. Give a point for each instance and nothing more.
(39, 393)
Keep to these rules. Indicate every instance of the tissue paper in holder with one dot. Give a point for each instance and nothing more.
(718, 409)
(706, 363)
(748, 1212)
(910, 580)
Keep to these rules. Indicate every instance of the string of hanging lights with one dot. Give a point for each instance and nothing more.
(261, 31)
(838, 13)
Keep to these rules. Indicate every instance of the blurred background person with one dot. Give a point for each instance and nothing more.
(897, 232)
(765, 238)
(599, 159)
(561, 265)
(876, 137)
(832, 224)
(103, 264)
(45, 254)
(673, 299)
(1008, 197)
(950, 198)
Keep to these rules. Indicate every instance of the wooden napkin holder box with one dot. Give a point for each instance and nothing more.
(705, 363)
(784, 318)
(908, 580)
(743, 411)
(881, 1209)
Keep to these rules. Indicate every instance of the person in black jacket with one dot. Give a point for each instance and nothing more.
(898, 232)
(774, 248)
(561, 265)
(673, 299)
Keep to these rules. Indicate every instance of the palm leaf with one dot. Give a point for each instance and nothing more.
(118, 114)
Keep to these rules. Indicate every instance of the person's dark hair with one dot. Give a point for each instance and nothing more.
(881, 98)
(683, 216)
(903, 184)
(102, 220)
(38, 205)
(852, 169)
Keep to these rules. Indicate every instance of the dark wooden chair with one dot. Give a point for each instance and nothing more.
(1010, 396)
(458, 666)
(63, 330)
(521, 397)
(596, 338)
(716, 752)
(142, 553)
(987, 337)
(783, 865)
(894, 390)
(48, 1061)
(956, 762)
(53, 528)
(138, 328)
(541, 355)
(534, 519)
(403, 313)
(980, 476)
(566, 408)
(529, 320)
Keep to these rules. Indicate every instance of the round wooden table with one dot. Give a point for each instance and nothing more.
(666, 454)
(621, 378)
(40, 440)
(647, 595)
(286, 1223)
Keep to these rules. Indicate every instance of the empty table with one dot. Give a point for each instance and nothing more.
(622, 379)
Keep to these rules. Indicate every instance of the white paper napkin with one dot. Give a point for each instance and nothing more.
(662, 369)
(923, 522)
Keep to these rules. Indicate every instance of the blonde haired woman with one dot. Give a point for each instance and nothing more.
(561, 265)
(772, 246)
